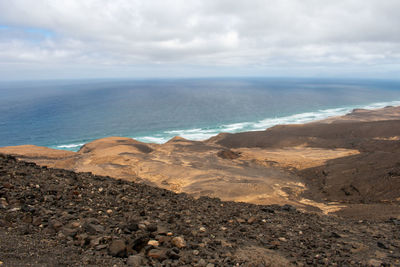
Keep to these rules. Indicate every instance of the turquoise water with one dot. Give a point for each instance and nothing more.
(67, 114)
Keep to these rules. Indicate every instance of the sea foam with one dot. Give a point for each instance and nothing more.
(199, 134)
(70, 145)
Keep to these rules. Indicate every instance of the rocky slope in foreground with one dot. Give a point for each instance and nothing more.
(346, 165)
(53, 217)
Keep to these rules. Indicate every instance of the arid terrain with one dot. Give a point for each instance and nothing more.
(54, 217)
(340, 164)
(327, 193)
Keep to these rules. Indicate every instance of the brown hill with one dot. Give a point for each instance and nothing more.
(343, 162)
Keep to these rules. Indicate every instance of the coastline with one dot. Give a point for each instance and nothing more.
(202, 134)
(326, 166)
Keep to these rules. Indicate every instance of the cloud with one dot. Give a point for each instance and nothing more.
(252, 35)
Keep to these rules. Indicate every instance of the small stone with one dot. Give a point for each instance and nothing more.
(27, 218)
(100, 247)
(196, 252)
(161, 230)
(282, 239)
(223, 228)
(202, 263)
(94, 228)
(240, 220)
(68, 231)
(3, 203)
(36, 221)
(173, 254)
(178, 242)
(202, 229)
(56, 225)
(153, 243)
(374, 263)
(139, 242)
(288, 207)
(75, 224)
(382, 245)
(109, 211)
(268, 209)
(335, 235)
(135, 261)
(157, 254)
(274, 244)
(133, 226)
(210, 265)
(251, 220)
(14, 209)
(152, 227)
(117, 248)
(224, 243)
(95, 241)
(163, 239)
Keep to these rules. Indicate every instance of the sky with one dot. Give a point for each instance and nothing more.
(47, 39)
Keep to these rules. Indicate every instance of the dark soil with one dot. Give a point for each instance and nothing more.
(52, 217)
(371, 177)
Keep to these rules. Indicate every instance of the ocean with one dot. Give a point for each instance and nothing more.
(66, 114)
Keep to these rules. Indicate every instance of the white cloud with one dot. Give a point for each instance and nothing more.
(247, 35)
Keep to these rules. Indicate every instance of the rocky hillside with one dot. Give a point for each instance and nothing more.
(53, 217)
(345, 165)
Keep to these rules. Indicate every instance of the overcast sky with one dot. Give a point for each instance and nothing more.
(45, 39)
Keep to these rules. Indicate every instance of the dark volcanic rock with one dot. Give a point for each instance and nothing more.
(117, 248)
(135, 261)
(51, 217)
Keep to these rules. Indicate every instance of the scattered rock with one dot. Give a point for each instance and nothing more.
(153, 243)
(135, 261)
(178, 242)
(288, 207)
(117, 248)
(335, 235)
(374, 263)
(93, 228)
(3, 203)
(382, 245)
(152, 225)
(56, 225)
(251, 220)
(158, 254)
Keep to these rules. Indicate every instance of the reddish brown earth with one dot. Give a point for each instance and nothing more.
(347, 166)
(332, 165)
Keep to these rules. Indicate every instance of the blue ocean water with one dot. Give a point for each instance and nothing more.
(67, 114)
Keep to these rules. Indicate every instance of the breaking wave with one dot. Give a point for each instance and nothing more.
(205, 133)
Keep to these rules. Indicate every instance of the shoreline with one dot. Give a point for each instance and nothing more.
(324, 166)
(202, 134)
